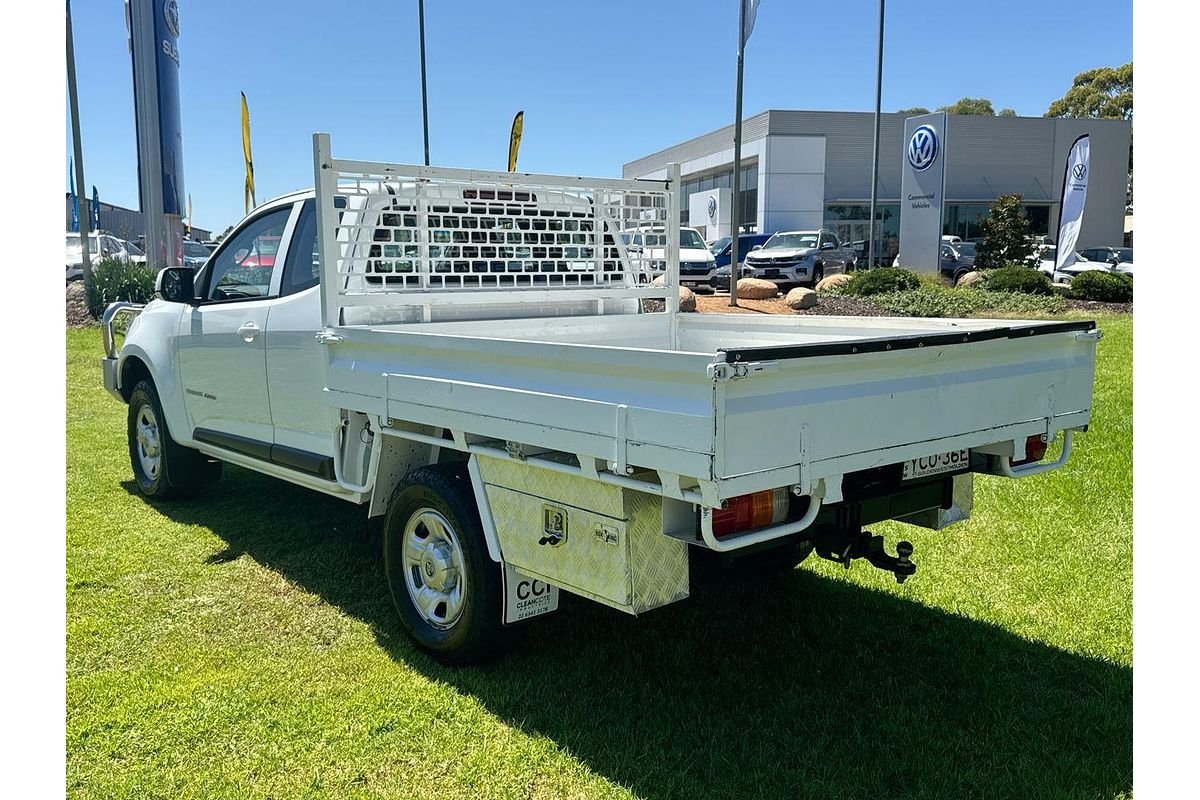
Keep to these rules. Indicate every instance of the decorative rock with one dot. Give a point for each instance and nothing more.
(971, 279)
(801, 298)
(830, 281)
(1061, 289)
(756, 289)
(687, 299)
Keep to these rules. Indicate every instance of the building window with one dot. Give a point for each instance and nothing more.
(966, 219)
(851, 223)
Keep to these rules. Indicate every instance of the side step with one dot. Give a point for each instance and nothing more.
(299, 460)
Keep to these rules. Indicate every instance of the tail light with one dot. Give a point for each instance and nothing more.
(1035, 450)
(751, 511)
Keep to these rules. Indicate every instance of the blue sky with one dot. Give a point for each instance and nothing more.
(601, 83)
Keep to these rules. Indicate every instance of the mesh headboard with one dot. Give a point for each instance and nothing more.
(411, 238)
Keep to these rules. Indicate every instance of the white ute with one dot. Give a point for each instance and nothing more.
(477, 359)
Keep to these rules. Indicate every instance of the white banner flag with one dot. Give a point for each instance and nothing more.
(751, 9)
(1070, 210)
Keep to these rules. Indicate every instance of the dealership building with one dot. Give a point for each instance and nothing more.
(803, 170)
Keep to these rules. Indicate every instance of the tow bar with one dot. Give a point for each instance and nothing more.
(842, 547)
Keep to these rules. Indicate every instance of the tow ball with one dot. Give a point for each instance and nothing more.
(842, 547)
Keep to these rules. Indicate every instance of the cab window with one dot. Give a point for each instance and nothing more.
(303, 268)
(243, 267)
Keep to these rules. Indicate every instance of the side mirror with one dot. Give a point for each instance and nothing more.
(756, 247)
(827, 246)
(176, 284)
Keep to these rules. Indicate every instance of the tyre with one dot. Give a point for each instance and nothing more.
(163, 468)
(444, 585)
(818, 274)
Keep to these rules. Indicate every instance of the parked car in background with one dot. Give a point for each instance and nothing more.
(800, 257)
(722, 248)
(720, 281)
(194, 254)
(1081, 264)
(136, 254)
(954, 261)
(696, 266)
(100, 245)
(1120, 258)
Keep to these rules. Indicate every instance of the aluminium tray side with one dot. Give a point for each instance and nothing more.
(834, 408)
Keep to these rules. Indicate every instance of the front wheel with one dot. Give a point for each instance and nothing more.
(445, 586)
(817, 276)
(163, 468)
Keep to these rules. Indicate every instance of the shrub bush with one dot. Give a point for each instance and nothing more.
(883, 279)
(111, 279)
(947, 302)
(1016, 278)
(1107, 287)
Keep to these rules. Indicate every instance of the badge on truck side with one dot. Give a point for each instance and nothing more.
(526, 597)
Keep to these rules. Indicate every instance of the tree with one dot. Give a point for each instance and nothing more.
(1007, 236)
(913, 112)
(972, 106)
(1101, 93)
(1007, 112)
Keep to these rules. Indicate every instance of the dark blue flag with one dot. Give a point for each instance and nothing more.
(74, 198)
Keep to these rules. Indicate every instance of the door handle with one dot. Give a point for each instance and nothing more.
(248, 330)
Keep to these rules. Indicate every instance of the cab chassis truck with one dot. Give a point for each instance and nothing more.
(477, 359)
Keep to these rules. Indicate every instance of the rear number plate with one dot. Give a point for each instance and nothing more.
(936, 464)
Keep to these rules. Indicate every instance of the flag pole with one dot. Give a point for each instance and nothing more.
(424, 94)
(734, 221)
(77, 140)
(875, 146)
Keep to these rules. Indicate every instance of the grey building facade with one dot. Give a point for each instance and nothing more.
(811, 169)
(124, 223)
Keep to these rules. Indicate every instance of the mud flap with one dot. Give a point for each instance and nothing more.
(526, 597)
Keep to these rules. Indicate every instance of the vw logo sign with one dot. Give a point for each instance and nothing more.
(1079, 171)
(712, 207)
(171, 16)
(923, 148)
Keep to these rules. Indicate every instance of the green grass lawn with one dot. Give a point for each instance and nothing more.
(243, 645)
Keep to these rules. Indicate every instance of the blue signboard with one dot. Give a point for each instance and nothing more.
(170, 127)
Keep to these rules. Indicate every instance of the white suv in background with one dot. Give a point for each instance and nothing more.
(697, 266)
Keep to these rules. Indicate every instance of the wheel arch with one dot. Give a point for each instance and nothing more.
(133, 370)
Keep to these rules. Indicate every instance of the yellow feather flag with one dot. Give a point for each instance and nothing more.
(251, 201)
(514, 140)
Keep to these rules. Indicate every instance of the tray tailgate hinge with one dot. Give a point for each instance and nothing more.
(723, 371)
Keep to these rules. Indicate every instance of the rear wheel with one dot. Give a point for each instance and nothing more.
(163, 468)
(445, 586)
